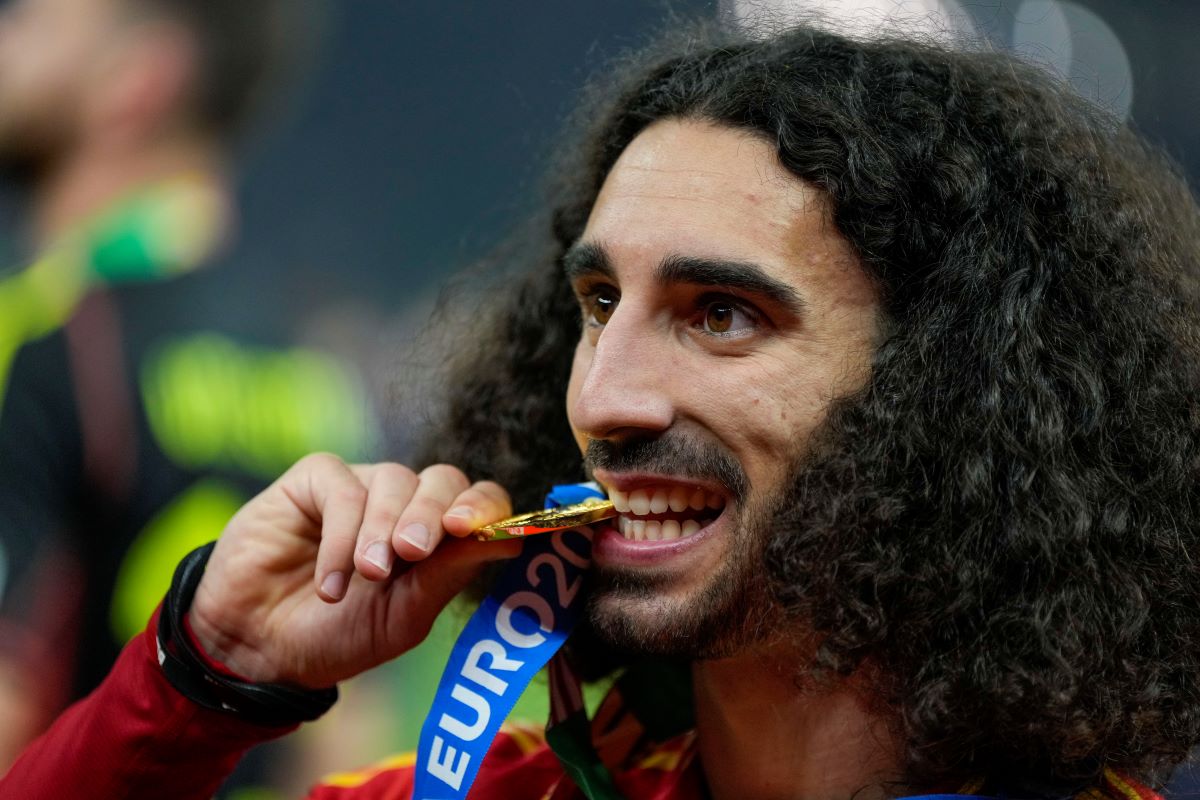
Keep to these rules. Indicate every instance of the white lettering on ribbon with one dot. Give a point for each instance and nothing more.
(535, 603)
(472, 671)
(565, 593)
(454, 727)
(444, 769)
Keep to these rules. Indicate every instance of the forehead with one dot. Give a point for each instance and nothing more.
(693, 188)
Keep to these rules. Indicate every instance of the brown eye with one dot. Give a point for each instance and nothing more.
(718, 317)
(603, 306)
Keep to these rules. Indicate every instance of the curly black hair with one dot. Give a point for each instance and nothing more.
(1004, 521)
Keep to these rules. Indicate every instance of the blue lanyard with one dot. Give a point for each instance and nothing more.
(510, 637)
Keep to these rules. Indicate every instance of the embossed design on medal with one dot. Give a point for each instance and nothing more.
(588, 512)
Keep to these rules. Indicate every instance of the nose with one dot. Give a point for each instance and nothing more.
(626, 389)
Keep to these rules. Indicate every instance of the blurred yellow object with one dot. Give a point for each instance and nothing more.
(213, 402)
(193, 518)
(165, 229)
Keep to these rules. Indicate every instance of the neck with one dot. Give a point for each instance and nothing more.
(763, 735)
(89, 180)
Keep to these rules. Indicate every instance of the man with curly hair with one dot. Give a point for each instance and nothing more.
(889, 357)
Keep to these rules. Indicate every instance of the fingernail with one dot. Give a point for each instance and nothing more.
(462, 512)
(417, 535)
(379, 554)
(334, 585)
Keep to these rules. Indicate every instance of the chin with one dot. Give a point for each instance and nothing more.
(718, 620)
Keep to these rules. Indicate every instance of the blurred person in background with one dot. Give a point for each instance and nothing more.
(133, 421)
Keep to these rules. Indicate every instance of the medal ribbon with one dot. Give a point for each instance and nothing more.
(519, 626)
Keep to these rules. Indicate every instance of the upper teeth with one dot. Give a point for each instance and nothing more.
(657, 501)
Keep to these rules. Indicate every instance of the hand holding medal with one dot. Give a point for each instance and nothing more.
(303, 590)
(336, 568)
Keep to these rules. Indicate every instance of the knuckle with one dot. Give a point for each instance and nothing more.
(425, 508)
(475, 498)
(391, 473)
(318, 461)
(446, 473)
(492, 490)
(380, 520)
(336, 542)
(350, 495)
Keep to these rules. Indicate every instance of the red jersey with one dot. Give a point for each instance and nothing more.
(136, 736)
(521, 766)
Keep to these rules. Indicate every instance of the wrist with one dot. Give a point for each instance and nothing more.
(207, 654)
(224, 653)
(186, 665)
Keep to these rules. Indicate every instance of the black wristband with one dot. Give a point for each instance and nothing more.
(261, 703)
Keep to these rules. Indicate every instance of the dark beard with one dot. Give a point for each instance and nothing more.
(730, 613)
(634, 612)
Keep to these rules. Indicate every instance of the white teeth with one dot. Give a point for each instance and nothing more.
(639, 502)
(675, 498)
(640, 530)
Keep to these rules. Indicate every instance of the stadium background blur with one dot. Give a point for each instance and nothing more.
(417, 137)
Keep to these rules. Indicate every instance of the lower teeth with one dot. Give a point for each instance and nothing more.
(657, 530)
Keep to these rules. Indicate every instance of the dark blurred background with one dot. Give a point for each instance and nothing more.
(423, 131)
(422, 128)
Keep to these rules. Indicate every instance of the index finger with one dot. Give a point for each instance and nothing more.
(326, 490)
(484, 502)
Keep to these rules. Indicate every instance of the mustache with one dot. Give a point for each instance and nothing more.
(669, 454)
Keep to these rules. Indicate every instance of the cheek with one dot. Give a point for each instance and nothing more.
(744, 407)
(768, 416)
(793, 399)
(762, 422)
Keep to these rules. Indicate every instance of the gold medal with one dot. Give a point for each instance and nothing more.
(552, 519)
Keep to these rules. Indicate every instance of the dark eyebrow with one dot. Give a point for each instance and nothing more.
(587, 258)
(740, 275)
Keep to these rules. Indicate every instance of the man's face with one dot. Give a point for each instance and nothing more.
(722, 313)
(49, 50)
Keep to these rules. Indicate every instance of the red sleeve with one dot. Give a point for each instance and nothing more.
(135, 736)
(518, 766)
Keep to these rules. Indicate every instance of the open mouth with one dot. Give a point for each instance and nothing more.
(664, 512)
